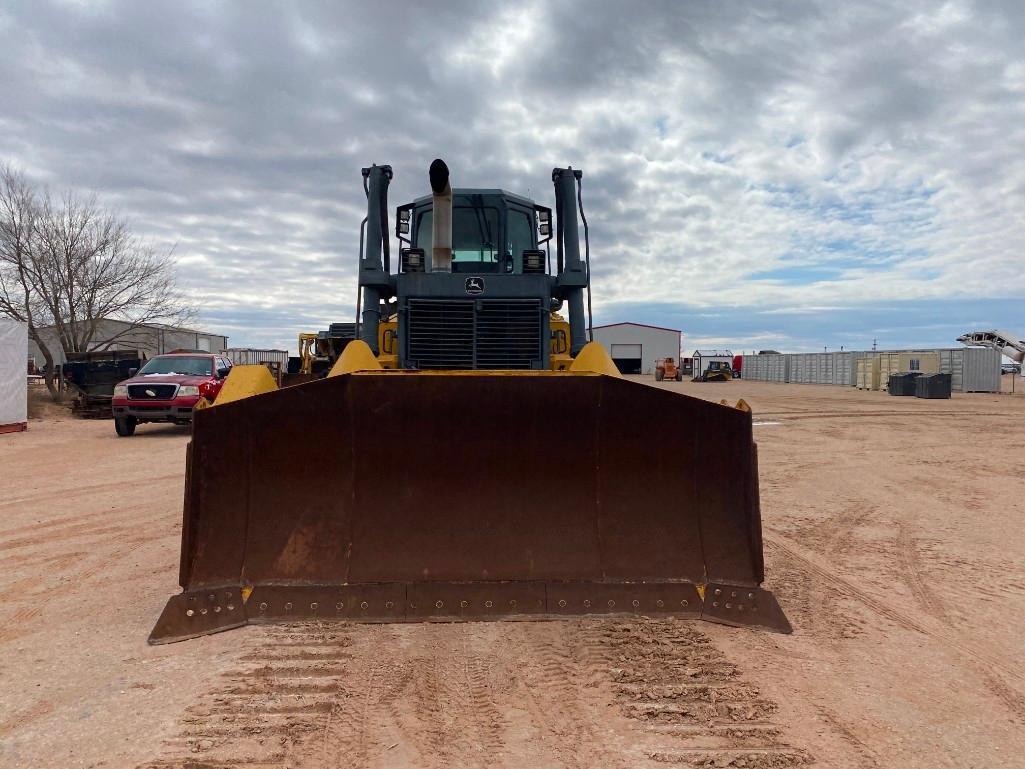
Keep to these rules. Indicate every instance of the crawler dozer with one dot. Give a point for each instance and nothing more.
(471, 456)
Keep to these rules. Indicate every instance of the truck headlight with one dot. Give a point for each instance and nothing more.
(120, 391)
(188, 390)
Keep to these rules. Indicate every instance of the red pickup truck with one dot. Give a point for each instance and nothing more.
(166, 389)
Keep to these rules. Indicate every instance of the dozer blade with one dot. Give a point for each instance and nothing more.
(411, 496)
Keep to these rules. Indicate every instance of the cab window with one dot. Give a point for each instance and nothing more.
(520, 237)
(474, 233)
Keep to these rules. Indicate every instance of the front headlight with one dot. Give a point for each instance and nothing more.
(120, 391)
(188, 390)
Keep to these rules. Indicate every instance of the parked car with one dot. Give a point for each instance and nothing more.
(1010, 368)
(167, 389)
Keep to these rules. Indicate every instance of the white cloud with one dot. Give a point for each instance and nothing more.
(875, 146)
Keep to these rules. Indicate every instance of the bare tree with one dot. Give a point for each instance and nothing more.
(67, 264)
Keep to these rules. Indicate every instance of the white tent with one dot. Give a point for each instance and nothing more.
(13, 375)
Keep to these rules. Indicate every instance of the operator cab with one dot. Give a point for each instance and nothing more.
(493, 231)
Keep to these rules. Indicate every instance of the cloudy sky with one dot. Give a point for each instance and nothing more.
(819, 174)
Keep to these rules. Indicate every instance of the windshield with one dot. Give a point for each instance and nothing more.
(179, 365)
(474, 234)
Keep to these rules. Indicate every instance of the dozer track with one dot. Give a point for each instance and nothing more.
(393, 496)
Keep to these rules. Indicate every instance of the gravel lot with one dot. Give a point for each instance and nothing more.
(895, 541)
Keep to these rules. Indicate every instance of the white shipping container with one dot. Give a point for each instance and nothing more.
(13, 376)
(247, 356)
(765, 368)
(826, 368)
(971, 369)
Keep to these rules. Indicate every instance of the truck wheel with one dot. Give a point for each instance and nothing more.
(679, 376)
(125, 426)
(659, 375)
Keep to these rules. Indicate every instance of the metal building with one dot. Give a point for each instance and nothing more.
(636, 346)
(704, 357)
(149, 339)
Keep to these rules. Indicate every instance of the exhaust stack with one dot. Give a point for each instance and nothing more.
(441, 228)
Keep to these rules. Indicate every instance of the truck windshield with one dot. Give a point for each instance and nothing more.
(179, 364)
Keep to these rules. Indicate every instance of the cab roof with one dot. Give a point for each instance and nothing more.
(512, 196)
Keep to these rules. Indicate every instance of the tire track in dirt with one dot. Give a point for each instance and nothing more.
(34, 712)
(438, 716)
(19, 623)
(1013, 700)
(347, 739)
(982, 659)
(59, 494)
(448, 714)
(72, 532)
(869, 760)
(488, 721)
(97, 569)
(848, 415)
(844, 587)
(557, 687)
(291, 682)
(911, 570)
(575, 694)
(694, 702)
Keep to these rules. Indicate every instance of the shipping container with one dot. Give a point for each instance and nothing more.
(971, 369)
(825, 368)
(247, 356)
(868, 373)
(766, 368)
(856, 358)
(923, 361)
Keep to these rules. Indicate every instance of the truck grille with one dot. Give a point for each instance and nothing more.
(474, 334)
(161, 392)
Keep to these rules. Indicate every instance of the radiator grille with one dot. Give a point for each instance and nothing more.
(441, 333)
(163, 392)
(508, 334)
(474, 334)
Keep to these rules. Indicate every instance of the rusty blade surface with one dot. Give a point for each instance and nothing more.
(544, 490)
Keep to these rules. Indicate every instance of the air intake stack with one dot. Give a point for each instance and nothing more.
(441, 256)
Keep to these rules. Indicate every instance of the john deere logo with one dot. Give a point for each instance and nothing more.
(475, 285)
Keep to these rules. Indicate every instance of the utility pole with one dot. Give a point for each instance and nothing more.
(873, 345)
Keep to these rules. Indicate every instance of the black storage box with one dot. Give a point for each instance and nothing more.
(932, 386)
(902, 384)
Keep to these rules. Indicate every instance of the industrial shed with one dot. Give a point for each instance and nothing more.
(13, 376)
(149, 339)
(635, 346)
(703, 358)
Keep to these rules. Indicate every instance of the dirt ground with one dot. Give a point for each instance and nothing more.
(895, 542)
